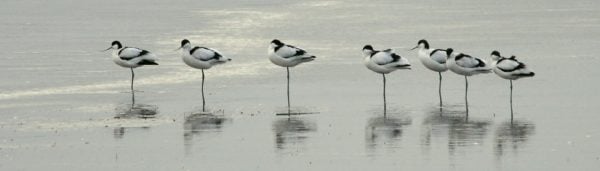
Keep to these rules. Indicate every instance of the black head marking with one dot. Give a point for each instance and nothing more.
(449, 51)
(117, 43)
(424, 42)
(277, 42)
(368, 47)
(496, 53)
(513, 57)
(184, 41)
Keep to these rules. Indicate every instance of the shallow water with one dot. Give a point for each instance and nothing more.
(65, 105)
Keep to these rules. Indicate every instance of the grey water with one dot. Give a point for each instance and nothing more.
(64, 105)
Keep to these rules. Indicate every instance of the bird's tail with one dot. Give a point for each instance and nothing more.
(308, 58)
(147, 62)
(484, 70)
(530, 74)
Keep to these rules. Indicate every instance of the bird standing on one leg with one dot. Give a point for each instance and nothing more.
(201, 58)
(466, 65)
(131, 57)
(383, 62)
(287, 56)
(433, 59)
(510, 69)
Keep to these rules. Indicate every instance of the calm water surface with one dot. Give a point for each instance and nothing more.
(65, 106)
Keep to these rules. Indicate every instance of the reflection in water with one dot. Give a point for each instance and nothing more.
(136, 111)
(292, 131)
(198, 124)
(512, 136)
(296, 110)
(133, 112)
(384, 130)
(119, 132)
(453, 125)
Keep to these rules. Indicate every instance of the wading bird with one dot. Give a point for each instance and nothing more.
(510, 69)
(201, 58)
(433, 59)
(131, 57)
(383, 62)
(287, 56)
(466, 65)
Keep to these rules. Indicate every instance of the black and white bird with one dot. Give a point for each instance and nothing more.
(433, 59)
(131, 57)
(201, 58)
(466, 65)
(510, 69)
(287, 56)
(383, 62)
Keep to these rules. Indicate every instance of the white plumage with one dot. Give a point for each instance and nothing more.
(383, 62)
(287, 55)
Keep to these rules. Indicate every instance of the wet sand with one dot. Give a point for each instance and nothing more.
(65, 105)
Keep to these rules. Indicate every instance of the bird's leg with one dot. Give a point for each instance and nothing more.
(384, 101)
(466, 100)
(288, 91)
(440, 89)
(203, 100)
(132, 92)
(511, 105)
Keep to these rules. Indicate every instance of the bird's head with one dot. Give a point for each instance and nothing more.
(185, 44)
(368, 50)
(276, 43)
(114, 45)
(495, 55)
(421, 44)
(449, 52)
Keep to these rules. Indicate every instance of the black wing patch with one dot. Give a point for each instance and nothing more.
(215, 54)
(298, 50)
(436, 50)
(277, 48)
(460, 56)
(194, 49)
(142, 53)
(480, 63)
(147, 62)
(374, 52)
(520, 66)
(395, 57)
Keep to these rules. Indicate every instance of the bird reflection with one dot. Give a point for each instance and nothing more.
(455, 127)
(512, 135)
(136, 111)
(292, 131)
(119, 132)
(202, 124)
(385, 130)
(133, 111)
